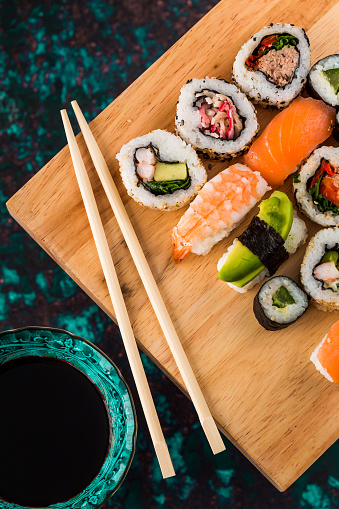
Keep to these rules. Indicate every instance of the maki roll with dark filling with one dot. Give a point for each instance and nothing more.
(272, 67)
(279, 303)
(215, 118)
(160, 171)
(316, 187)
(320, 269)
(267, 242)
(323, 80)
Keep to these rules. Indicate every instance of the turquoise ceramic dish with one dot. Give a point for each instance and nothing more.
(80, 353)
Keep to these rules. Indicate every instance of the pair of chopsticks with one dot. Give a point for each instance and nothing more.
(151, 287)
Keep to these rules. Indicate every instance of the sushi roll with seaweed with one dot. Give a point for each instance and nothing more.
(326, 356)
(323, 80)
(215, 118)
(320, 269)
(160, 171)
(336, 127)
(316, 187)
(267, 242)
(279, 303)
(272, 67)
(219, 207)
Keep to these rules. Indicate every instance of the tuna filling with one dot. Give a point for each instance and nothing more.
(219, 117)
(277, 58)
(157, 176)
(324, 187)
(327, 270)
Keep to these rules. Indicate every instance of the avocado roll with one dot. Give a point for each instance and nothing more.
(320, 269)
(272, 67)
(160, 171)
(316, 186)
(215, 118)
(279, 303)
(323, 80)
(267, 242)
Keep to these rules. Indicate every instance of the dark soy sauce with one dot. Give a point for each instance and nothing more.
(54, 431)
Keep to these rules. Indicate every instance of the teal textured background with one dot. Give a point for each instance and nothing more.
(51, 53)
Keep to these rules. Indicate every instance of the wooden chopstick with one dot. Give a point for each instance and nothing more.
(118, 302)
(150, 285)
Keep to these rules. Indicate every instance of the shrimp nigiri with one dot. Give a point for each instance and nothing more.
(219, 207)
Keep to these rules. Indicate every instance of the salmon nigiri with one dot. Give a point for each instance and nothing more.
(326, 355)
(219, 207)
(290, 137)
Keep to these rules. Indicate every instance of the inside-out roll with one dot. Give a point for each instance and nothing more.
(272, 67)
(320, 269)
(316, 187)
(323, 80)
(160, 171)
(215, 118)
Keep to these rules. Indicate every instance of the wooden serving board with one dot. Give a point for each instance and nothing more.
(262, 389)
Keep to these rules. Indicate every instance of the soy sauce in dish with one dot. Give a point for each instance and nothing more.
(54, 431)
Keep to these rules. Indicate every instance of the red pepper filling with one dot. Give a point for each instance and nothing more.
(329, 184)
(266, 43)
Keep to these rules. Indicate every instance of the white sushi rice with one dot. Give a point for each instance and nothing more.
(323, 298)
(320, 84)
(317, 363)
(203, 246)
(303, 197)
(290, 312)
(171, 148)
(256, 85)
(188, 117)
(295, 239)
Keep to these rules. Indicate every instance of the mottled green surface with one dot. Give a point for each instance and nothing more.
(51, 53)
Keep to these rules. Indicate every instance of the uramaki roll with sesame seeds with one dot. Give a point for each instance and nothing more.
(215, 118)
(272, 67)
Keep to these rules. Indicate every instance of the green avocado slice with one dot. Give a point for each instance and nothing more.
(170, 171)
(242, 266)
(330, 256)
(332, 76)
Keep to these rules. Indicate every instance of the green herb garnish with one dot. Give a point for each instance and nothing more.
(284, 40)
(167, 186)
(296, 178)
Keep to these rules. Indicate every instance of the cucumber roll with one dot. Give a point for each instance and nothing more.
(160, 171)
(272, 67)
(215, 118)
(316, 187)
(323, 80)
(320, 269)
(267, 242)
(279, 303)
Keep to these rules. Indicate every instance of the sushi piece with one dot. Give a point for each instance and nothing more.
(279, 303)
(215, 118)
(326, 356)
(272, 67)
(289, 138)
(320, 269)
(316, 187)
(323, 80)
(219, 207)
(160, 171)
(267, 242)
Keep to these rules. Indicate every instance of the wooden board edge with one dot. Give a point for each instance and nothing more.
(141, 347)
